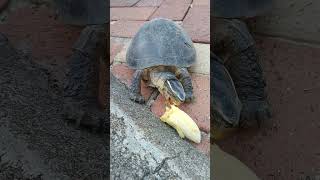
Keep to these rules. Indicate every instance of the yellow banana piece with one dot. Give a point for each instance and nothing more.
(182, 122)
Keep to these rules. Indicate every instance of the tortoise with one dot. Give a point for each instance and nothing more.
(235, 48)
(161, 53)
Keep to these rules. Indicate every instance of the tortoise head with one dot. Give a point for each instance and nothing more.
(169, 86)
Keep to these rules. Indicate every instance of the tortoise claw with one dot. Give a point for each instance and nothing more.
(153, 97)
(189, 98)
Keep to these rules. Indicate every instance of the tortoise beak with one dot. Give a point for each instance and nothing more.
(175, 91)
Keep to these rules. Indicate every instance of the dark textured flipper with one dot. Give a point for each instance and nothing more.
(235, 44)
(186, 82)
(82, 79)
(135, 88)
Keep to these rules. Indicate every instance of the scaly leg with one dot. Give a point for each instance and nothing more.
(135, 88)
(185, 79)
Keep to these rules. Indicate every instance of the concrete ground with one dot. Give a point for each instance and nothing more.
(126, 19)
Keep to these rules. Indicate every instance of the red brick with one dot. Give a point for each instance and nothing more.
(132, 13)
(146, 3)
(122, 3)
(204, 145)
(199, 110)
(201, 107)
(115, 48)
(174, 10)
(125, 28)
(197, 23)
(124, 74)
(201, 2)
(158, 107)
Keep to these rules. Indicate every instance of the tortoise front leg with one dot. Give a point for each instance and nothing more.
(153, 97)
(186, 82)
(135, 88)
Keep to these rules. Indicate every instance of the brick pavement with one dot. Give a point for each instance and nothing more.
(195, 17)
(128, 17)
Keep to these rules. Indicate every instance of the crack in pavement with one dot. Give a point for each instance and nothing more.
(160, 166)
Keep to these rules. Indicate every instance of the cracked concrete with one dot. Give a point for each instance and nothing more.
(142, 147)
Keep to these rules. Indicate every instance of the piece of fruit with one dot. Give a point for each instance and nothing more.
(182, 122)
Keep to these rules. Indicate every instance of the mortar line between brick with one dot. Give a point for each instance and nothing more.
(134, 4)
(156, 9)
(189, 7)
(153, 13)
